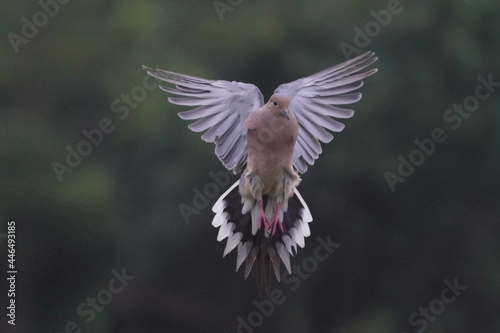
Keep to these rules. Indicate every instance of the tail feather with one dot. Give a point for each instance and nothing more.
(275, 261)
(237, 223)
(243, 251)
(263, 271)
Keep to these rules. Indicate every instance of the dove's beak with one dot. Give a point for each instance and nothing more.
(285, 112)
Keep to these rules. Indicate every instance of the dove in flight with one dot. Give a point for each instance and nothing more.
(262, 214)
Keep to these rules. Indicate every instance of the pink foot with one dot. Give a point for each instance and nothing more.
(276, 220)
(263, 219)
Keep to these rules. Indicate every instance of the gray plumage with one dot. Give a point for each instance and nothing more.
(262, 214)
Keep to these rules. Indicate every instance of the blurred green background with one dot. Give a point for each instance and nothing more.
(118, 207)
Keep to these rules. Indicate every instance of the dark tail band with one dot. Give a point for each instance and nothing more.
(260, 247)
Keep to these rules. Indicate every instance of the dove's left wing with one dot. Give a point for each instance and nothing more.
(222, 108)
(314, 101)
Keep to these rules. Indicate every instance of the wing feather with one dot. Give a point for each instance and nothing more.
(221, 107)
(314, 101)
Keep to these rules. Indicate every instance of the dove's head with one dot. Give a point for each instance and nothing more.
(278, 104)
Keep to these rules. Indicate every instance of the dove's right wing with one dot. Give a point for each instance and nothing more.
(222, 108)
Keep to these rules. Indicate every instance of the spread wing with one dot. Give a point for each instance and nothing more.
(314, 100)
(222, 107)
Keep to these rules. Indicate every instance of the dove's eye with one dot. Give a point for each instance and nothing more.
(275, 103)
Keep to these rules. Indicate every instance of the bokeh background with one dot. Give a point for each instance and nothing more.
(118, 209)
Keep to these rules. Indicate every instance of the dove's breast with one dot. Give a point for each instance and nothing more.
(270, 148)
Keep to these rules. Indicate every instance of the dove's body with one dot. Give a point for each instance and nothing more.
(271, 140)
(271, 137)
(270, 144)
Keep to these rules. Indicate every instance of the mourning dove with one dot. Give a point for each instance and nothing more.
(263, 214)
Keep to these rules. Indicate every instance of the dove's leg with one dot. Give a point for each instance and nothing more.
(284, 190)
(255, 186)
(263, 219)
(276, 220)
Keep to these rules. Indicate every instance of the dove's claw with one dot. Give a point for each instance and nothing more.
(276, 220)
(263, 219)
